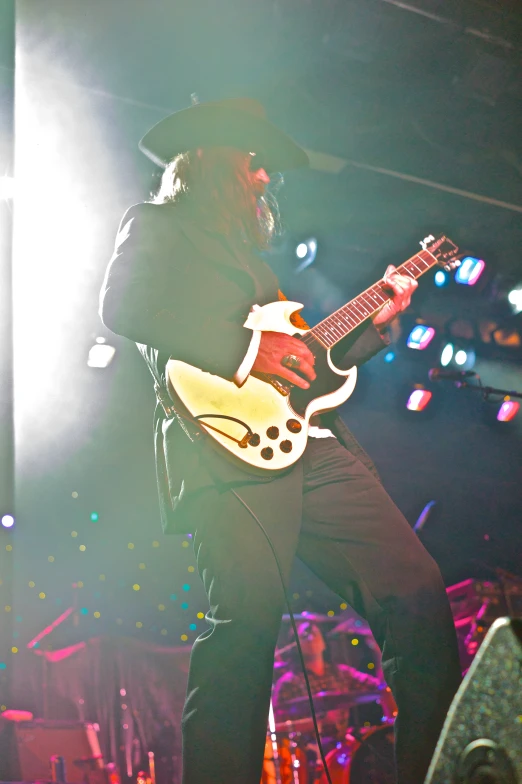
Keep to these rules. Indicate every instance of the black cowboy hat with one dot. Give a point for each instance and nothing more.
(235, 122)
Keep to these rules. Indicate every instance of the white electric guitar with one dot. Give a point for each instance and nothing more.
(264, 423)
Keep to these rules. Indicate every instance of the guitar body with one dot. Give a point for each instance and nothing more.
(275, 411)
(273, 415)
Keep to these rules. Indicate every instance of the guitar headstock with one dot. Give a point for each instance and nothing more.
(443, 249)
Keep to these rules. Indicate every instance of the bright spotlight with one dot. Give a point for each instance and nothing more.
(301, 250)
(461, 357)
(306, 251)
(8, 521)
(7, 186)
(508, 410)
(420, 337)
(418, 400)
(101, 355)
(440, 278)
(446, 355)
(469, 270)
(515, 299)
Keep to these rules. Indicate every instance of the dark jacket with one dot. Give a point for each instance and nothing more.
(178, 290)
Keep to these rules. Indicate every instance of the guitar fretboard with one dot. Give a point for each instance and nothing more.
(335, 327)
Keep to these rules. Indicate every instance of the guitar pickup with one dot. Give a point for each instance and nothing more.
(283, 389)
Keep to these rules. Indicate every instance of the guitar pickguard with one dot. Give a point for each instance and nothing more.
(326, 383)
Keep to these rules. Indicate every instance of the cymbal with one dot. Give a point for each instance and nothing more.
(331, 700)
(351, 626)
(295, 725)
(312, 617)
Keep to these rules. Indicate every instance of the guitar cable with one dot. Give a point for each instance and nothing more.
(163, 396)
(294, 629)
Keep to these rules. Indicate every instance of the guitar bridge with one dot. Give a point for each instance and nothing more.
(283, 389)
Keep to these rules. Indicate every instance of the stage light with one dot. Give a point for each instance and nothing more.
(418, 400)
(508, 410)
(469, 270)
(306, 251)
(515, 299)
(389, 357)
(446, 354)
(8, 521)
(7, 185)
(420, 337)
(464, 358)
(441, 278)
(100, 355)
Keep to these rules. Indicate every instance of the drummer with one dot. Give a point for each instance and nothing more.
(324, 676)
(345, 697)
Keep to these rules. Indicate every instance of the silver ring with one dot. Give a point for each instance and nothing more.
(291, 361)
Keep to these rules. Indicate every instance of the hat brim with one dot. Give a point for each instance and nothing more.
(208, 125)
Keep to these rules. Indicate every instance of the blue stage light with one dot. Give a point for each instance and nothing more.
(440, 278)
(306, 251)
(470, 270)
(389, 357)
(446, 354)
(420, 337)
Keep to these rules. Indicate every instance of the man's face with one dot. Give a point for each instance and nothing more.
(258, 176)
(312, 641)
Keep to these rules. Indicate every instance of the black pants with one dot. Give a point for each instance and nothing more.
(339, 520)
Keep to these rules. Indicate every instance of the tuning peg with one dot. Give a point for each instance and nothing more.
(426, 240)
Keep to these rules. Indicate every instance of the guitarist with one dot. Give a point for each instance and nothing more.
(185, 272)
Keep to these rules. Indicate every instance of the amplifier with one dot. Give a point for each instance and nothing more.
(27, 746)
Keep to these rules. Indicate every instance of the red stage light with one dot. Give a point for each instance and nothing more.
(418, 400)
(508, 410)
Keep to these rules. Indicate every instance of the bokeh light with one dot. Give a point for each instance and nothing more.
(418, 400)
(440, 278)
(508, 410)
(469, 270)
(446, 354)
(420, 337)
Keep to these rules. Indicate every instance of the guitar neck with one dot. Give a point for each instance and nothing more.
(334, 328)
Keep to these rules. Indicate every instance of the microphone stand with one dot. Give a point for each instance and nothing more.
(486, 390)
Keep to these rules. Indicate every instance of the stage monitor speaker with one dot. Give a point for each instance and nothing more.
(26, 748)
(481, 741)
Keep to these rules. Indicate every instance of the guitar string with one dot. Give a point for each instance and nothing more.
(378, 288)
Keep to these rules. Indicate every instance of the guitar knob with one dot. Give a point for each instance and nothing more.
(254, 440)
(285, 446)
(294, 426)
(273, 433)
(267, 453)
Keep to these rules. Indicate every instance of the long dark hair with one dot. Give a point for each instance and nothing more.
(214, 183)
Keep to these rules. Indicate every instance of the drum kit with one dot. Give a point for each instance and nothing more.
(358, 751)
(361, 751)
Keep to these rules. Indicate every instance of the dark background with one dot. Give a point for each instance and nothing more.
(429, 90)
